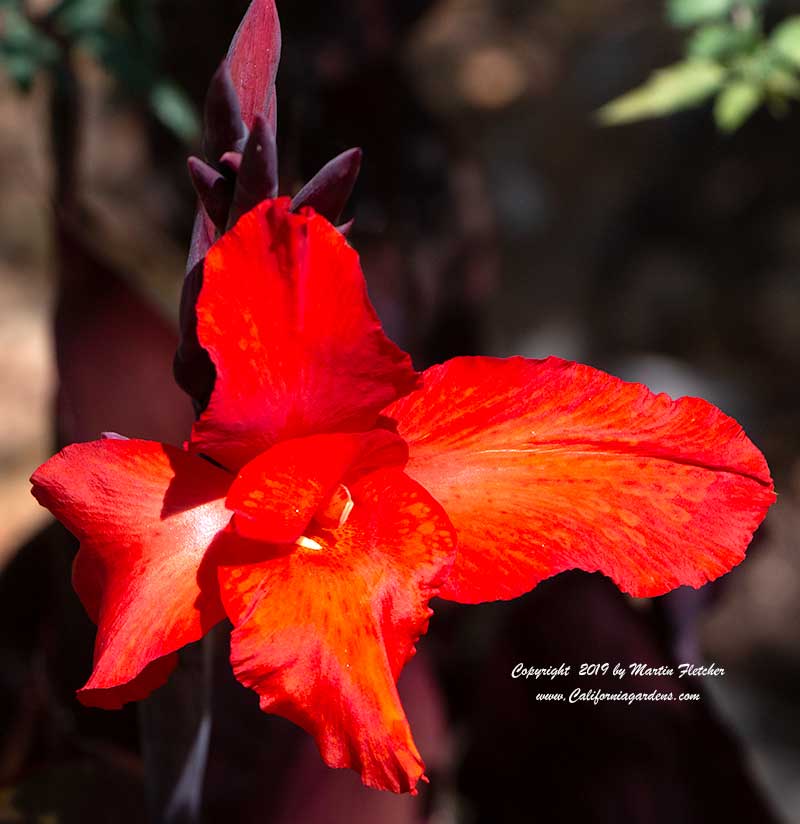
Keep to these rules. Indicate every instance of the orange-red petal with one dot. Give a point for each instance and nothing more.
(322, 635)
(145, 514)
(298, 349)
(276, 494)
(544, 466)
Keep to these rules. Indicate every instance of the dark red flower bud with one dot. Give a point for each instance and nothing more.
(258, 174)
(345, 228)
(194, 372)
(328, 191)
(214, 190)
(242, 87)
(224, 130)
(253, 59)
(230, 163)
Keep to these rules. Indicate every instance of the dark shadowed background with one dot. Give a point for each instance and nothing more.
(493, 215)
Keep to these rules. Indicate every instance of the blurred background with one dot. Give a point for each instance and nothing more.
(495, 215)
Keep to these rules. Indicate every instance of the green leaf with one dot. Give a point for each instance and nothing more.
(692, 12)
(138, 76)
(120, 55)
(175, 111)
(783, 84)
(735, 103)
(720, 41)
(23, 49)
(668, 90)
(785, 40)
(74, 17)
(688, 13)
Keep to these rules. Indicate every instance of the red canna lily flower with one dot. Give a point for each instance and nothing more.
(328, 492)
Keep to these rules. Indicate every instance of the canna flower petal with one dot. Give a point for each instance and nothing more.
(298, 349)
(545, 466)
(322, 634)
(276, 495)
(144, 513)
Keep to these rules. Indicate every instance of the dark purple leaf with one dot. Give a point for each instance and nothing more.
(112, 351)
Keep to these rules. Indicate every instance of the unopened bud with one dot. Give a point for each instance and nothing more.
(330, 188)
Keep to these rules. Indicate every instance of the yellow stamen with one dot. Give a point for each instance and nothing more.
(308, 543)
(348, 507)
(336, 510)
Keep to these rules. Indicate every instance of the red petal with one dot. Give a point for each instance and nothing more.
(277, 493)
(144, 514)
(298, 350)
(545, 466)
(322, 635)
(253, 57)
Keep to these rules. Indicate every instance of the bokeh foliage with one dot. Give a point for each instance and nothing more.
(728, 56)
(121, 35)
